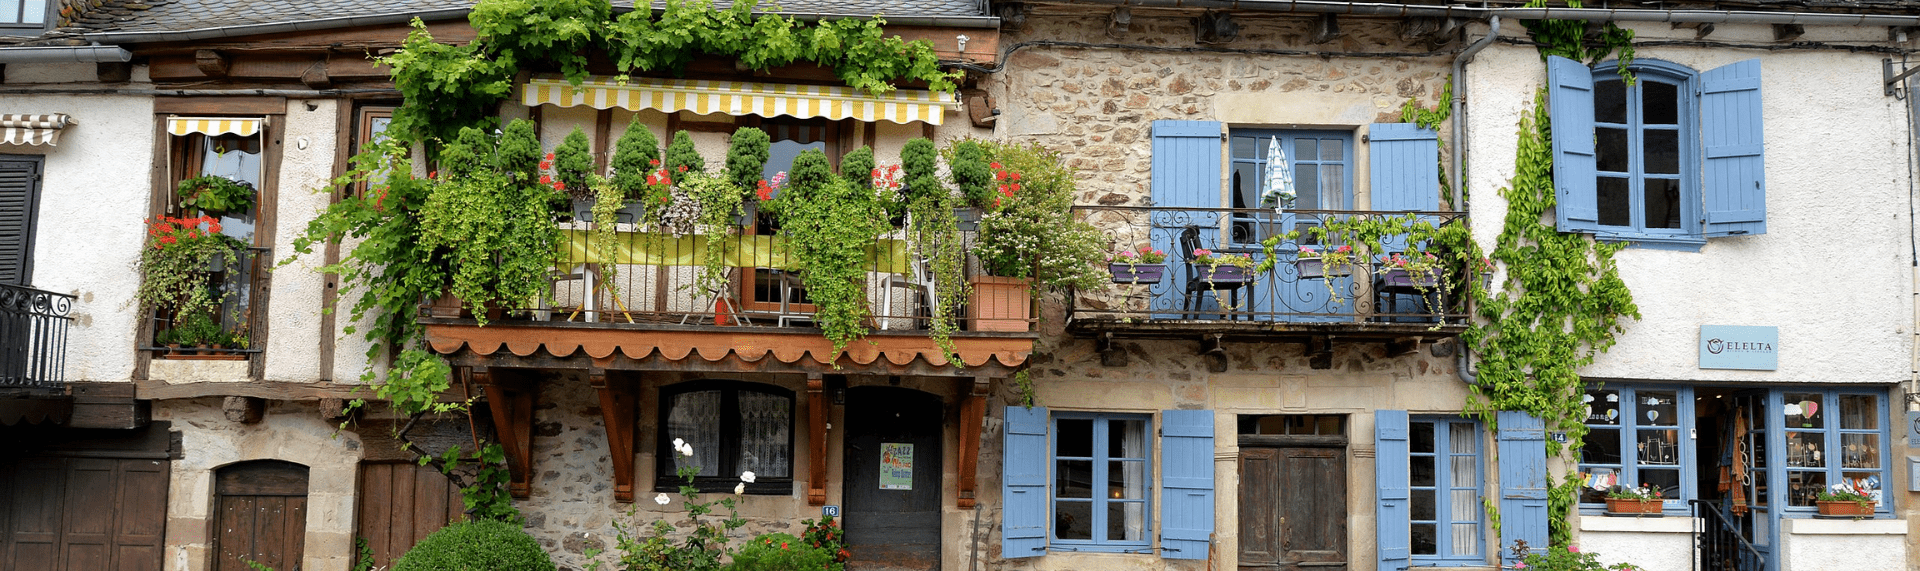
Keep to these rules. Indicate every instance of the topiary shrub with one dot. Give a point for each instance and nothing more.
(484, 545)
(635, 156)
(572, 162)
(972, 173)
(681, 156)
(920, 160)
(747, 156)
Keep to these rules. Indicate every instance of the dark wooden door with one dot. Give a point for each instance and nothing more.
(400, 504)
(82, 513)
(892, 442)
(1293, 508)
(262, 511)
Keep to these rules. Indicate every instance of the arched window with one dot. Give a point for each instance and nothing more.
(733, 427)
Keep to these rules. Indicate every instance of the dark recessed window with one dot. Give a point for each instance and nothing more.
(733, 427)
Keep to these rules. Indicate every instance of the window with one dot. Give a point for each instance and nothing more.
(734, 427)
(1444, 478)
(1823, 450)
(765, 289)
(1100, 472)
(1672, 159)
(1322, 169)
(370, 126)
(233, 148)
(1639, 437)
(19, 205)
(23, 14)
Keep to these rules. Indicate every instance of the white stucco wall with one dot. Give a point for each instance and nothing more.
(1836, 184)
(1647, 543)
(91, 220)
(309, 140)
(1864, 545)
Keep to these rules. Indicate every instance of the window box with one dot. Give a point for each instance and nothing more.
(1138, 273)
(1401, 278)
(1634, 507)
(1222, 274)
(1316, 268)
(1846, 509)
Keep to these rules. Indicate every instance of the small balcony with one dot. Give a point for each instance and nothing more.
(33, 339)
(1291, 295)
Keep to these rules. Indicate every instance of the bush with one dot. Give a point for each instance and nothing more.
(634, 157)
(682, 157)
(484, 545)
(747, 156)
(781, 552)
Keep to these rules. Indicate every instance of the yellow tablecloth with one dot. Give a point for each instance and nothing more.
(654, 249)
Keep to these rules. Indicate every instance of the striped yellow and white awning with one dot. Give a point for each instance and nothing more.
(739, 98)
(33, 129)
(182, 126)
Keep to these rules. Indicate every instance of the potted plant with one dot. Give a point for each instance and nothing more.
(1221, 268)
(169, 339)
(1845, 503)
(1145, 265)
(1641, 502)
(1316, 264)
(215, 195)
(1419, 270)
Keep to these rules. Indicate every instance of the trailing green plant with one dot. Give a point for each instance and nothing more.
(1030, 230)
(572, 162)
(1560, 557)
(197, 325)
(178, 258)
(495, 223)
(605, 243)
(214, 194)
(719, 202)
(747, 154)
(476, 545)
(1023, 382)
(682, 157)
(1569, 39)
(935, 237)
(967, 163)
(830, 228)
(635, 156)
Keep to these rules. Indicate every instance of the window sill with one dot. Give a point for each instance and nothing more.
(1880, 525)
(760, 488)
(1459, 564)
(1129, 549)
(1655, 241)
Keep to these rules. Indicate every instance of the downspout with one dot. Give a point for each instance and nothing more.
(1458, 117)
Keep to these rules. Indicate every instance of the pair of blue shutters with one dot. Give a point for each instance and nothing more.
(1523, 485)
(1733, 191)
(1186, 483)
(1404, 163)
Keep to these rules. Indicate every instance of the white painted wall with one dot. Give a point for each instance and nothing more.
(309, 139)
(1647, 543)
(1864, 545)
(1829, 272)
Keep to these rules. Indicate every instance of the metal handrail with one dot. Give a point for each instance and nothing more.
(33, 337)
(1715, 536)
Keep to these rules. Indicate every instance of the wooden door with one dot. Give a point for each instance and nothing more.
(892, 484)
(82, 513)
(262, 512)
(1293, 508)
(400, 504)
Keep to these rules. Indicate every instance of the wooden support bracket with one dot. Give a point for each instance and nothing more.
(1213, 349)
(512, 404)
(817, 439)
(973, 419)
(211, 62)
(1111, 354)
(618, 408)
(244, 410)
(315, 77)
(1320, 353)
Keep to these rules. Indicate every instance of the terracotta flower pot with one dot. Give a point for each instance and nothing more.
(1633, 506)
(1846, 508)
(1001, 304)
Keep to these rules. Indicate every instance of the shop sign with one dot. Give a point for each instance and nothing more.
(1754, 348)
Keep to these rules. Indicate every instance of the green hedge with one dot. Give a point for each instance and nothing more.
(484, 545)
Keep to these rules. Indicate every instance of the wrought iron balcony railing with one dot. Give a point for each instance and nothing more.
(33, 337)
(1294, 289)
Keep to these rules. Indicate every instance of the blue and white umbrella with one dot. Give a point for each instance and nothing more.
(1279, 192)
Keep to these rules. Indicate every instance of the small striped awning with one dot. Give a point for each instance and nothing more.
(33, 129)
(182, 126)
(739, 98)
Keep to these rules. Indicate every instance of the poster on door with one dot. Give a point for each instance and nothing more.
(896, 466)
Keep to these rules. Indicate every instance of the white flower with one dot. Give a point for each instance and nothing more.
(739, 488)
(678, 443)
(747, 476)
(662, 499)
(686, 450)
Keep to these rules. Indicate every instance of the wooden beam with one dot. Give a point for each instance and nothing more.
(973, 417)
(512, 404)
(816, 439)
(211, 63)
(113, 71)
(602, 131)
(275, 390)
(219, 105)
(315, 77)
(107, 405)
(617, 410)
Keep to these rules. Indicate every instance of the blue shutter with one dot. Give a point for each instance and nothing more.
(1523, 480)
(1733, 181)
(1186, 163)
(1394, 534)
(1570, 108)
(1186, 483)
(1023, 484)
(1405, 166)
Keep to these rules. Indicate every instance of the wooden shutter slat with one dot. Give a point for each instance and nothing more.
(1394, 536)
(1570, 108)
(1023, 484)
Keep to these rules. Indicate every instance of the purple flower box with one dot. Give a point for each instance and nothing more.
(1316, 268)
(1400, 278)
(1137, 273)
(1222, 274)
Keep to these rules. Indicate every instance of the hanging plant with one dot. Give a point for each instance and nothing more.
(178, 258)
(719, 206)
(215, 195)
(830, 226)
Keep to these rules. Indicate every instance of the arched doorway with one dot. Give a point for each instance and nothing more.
(892, 479)
(262, 515)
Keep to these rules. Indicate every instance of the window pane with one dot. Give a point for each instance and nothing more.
(1662, 151)
(1075, 438)
(1658, 447)
(1806, 449)
(1126, 438)
(1859, 412)
(780, 156)
(1859, 451)
(1667, 480)
(1244, 147)
(10, 12)
(1246, 185)
(1663, 203)
(1464, 505)
(1610, 150)
(1333, 183)
(1601, 446)
(1462, 439)
(1422, 438)
(1306, 186)
(1127, 479)
(1603, 407)
(1425, 540)
(1127, 521)
(1598, 480)
(1332, 150)
(1423, 505)
(1659, 103)
(1657, 408)
(1616, 208)
(1804, 410)
(1421, 470)
(1466, 539)
(1073, 520)
(1463, 471)
(1803, 488)
(1759, 495)
(1073, 479)
(765, 441)
(1610, 101)
(1305, 149)
(695, 417)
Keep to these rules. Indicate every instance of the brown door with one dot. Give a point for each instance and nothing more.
(82, 513)
(401, 503)
(262, 515)
(1293, 508)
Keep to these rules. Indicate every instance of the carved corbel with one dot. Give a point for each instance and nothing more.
(511, 401)
(618, 400)
(973, 419)
(211, 62)
(817, 439)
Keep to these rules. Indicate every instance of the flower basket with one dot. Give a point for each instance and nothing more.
(1222, 274)
(1001, 304)
(1400, 277)
(1636, 507)
(1316, 268)
(1137, 273)
(1846, 508)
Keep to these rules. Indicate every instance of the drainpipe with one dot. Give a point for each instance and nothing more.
(1458, 118)
(64, 54)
